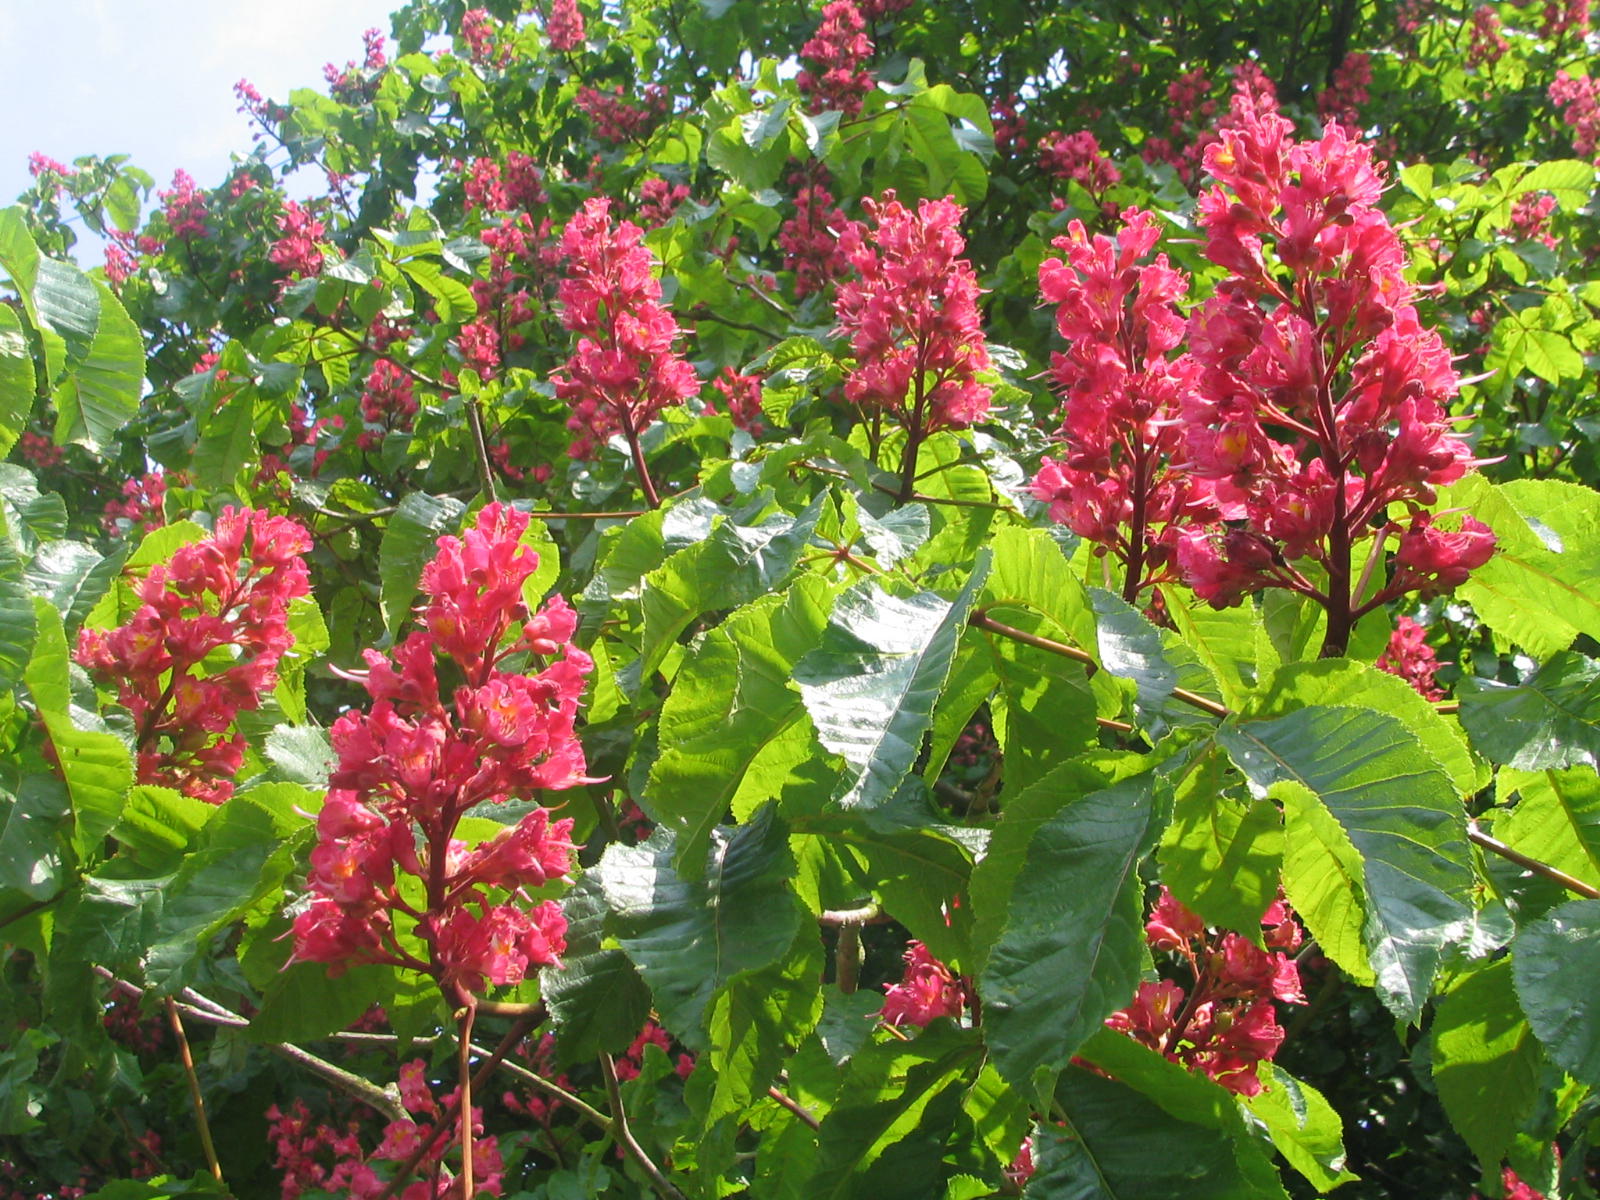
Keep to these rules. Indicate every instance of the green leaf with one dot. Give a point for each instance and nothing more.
(1119, 1145)
(735, 565)
(95, 764)
(1349, 684)
(1069, 957)
(1483, 1048)
(452, 299)
(1303, 1126)
(1547, 721)
(1190, 1097)
(227, 440)
(733, 732)
(758, 1021)
(1556, 820)
(73, 577)
(102, 389)
(689, 938)
(1402, 816)
(597, 1000)
(159, 823)
(869, 1144)
(16, 379)
(1227, 642)
(34, 857)
(1221, 854)
(304, 1002)
(1554, 963)
(1133, 648)
(410, 540)
(872, 685)
(1324, 879)
(1542, 587)
(17, 626)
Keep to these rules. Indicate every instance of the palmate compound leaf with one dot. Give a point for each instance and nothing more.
(1554, 963)
(872, 683)
(690, 937)
(733, 731)
(1403, 820)
(1073, 944)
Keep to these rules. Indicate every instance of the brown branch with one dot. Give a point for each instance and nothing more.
(588, 516)
(1545, 870)
(795, 1107)
(847, 957)
(202, 1126)
(480, 444)
(624, 1134)
(464, 1101)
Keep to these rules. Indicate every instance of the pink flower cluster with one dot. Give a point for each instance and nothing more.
(624, 370)
(478, 30)
(297, 252)
(184, 206)
(1226, 1023)
(1010, 126)
(316, 1157)
(1409, 656)
(1342, 99)
(517, 186)
(927, 991)
(1530, 219)
(411, 767)
(810, 240)
(564, 27)
(741, 396)
(659, 200)
(388, 403)
(1077, 158)
(522, 257)
(355, 84)
(1487, 45)
(140, 509)
(231, 589)
(911, 313)
(618, 120)
(1565, 16)
(1578, 96)
(834, 77)
(1123, 392)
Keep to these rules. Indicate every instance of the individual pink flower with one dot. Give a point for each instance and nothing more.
(911, 314)
(927, 991)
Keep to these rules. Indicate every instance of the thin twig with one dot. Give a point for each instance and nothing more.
(481, 445)
(554, 1090)
(202, 1126)
(624, 1134)
(867, 914)
(795, 1107)
(588, 516)
(847, 957)
(380, 1100)
(1554, 874)
(464, 1101)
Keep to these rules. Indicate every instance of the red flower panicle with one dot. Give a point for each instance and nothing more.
(412, 765)
(928, 991)
(911, 314)
(624, 370)
(297, 251)
(810, 240)
(741, 396)
(204, 645)
(565, 26)
(184, 207)
(1409, 656)
(1123, 388)
(834, 77)
(1227, 1023)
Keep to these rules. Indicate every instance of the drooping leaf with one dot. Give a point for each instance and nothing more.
(1483, 1047)
(872, 684)
(1304, 1127)
(305, 1001)
(16, 380)
(1069, 957)
(101, 390)
(35, 853)
(1324, 879)
(689, 938)
(1402, 816)
(1554, 962)
(1132, 648)
(597, 1000)
(1550, 720)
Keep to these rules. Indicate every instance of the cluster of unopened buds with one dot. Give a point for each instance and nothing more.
(410, 767)
(204, 645)
(1225, 1023)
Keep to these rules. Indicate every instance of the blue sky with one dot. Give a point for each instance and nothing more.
(154, 78)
